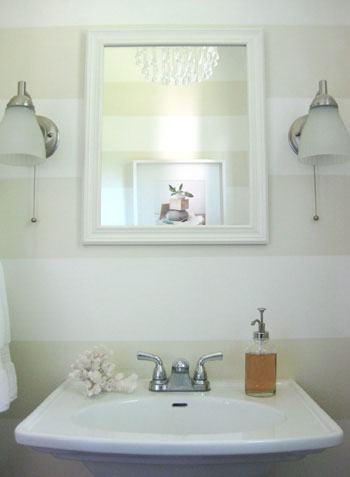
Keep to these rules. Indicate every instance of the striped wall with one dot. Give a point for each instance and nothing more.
(65, 296)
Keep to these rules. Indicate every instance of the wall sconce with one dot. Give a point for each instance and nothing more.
(320, 137)
(26, 139)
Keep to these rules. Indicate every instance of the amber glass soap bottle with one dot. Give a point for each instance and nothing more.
(260, 363)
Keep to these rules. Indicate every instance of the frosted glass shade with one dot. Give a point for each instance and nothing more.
(324, 138)
(21, 140)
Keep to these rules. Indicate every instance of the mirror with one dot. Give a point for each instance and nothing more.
(175, 137)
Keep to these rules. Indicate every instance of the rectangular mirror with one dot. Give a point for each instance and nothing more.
(175, 139)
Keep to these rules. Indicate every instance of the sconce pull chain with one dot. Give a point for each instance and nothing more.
(34, 219)
(315, 217)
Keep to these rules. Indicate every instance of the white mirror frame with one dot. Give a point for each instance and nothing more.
(253, 233)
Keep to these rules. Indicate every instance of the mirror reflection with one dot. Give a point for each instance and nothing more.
(175, 137)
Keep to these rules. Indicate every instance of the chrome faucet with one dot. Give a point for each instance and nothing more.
(180, 378)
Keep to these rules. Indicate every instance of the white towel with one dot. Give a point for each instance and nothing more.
(8, 380)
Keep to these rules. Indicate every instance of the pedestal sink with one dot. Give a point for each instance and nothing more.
(218, 433)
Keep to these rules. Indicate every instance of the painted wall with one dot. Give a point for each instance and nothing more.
(65, 296)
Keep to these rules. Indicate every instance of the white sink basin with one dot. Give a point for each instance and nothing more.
(191, 415)
(225, 430)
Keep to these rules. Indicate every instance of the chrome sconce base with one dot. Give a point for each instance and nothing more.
(50, 133)
(295, 133)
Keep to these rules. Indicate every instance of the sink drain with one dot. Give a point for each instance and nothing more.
(179, 404)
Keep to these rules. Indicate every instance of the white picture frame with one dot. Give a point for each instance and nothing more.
(210, 174)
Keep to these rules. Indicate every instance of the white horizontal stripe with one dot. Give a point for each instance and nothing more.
(175, 133)
(203, 298)
(281, 112)
(67, 161)
(69, 117)
(197, 12)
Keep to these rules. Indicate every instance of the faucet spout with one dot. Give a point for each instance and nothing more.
(180, 378)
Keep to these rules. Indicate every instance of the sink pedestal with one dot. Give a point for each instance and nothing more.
(190, 470)
(104, 465)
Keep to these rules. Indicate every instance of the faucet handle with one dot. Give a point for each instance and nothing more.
(159, 373)
(200, 373)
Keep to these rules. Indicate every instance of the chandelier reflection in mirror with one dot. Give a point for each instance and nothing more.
(177, 65)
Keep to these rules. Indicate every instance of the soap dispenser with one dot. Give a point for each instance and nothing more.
(260, 362)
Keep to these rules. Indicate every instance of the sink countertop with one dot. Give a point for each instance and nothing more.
(223, 421)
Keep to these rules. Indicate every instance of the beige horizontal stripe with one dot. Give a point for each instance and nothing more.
(52, 60)
(59, 209)
(117, 167)
(308, 361)
(226, 98)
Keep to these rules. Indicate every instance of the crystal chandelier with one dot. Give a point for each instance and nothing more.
(177, 65)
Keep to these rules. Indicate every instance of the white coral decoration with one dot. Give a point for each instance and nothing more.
(125, 385)
(96, 373)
